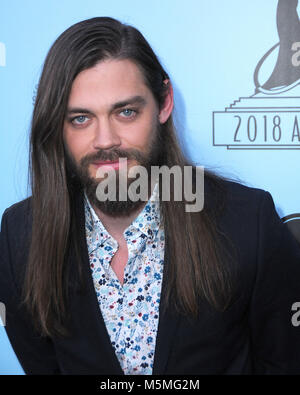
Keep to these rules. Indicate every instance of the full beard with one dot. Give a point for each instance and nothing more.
(117, 207)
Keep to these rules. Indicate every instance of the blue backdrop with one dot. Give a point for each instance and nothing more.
(209, 47)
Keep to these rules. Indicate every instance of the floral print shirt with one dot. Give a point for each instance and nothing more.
(130, 311)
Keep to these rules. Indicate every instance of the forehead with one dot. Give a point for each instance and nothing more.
(108, 82)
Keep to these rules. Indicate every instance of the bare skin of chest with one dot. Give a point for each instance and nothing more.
(119, 260)
(116, 227)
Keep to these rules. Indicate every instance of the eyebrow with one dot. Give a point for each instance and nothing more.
(129, 101)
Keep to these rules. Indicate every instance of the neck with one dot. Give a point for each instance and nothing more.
(116, 225)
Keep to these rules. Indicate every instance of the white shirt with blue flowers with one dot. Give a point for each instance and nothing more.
(131, 311)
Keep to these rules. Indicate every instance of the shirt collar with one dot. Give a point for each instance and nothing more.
(148, 220)
(146, 223)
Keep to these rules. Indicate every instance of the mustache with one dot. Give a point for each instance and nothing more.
(112, 155)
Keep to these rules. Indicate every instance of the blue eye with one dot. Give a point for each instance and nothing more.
(79, 120)
(127, 113)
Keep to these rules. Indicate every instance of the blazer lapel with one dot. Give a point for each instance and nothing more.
(167, 326)
(86, 307)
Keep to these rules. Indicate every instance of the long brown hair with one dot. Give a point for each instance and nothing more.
(197, 265)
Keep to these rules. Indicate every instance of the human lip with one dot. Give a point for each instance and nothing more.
(114, 164)
(105, 162)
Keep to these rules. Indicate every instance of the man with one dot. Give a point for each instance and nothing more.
(137, 286)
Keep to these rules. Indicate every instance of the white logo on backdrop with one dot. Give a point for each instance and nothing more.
(270, 118)
(2, 55)
(2, 314)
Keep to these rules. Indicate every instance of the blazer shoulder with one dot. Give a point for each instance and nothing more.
(14, 242)
(16, 225)
(238, 190)
(17, 213)
(20, 206)
(250, 203)
(233, 195)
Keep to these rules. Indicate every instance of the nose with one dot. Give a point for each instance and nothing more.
(105, 136)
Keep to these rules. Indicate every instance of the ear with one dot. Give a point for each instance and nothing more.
(168, 104)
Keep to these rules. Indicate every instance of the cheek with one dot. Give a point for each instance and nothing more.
(141, 135)
(75, 144)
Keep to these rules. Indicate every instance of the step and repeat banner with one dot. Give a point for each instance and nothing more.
(235, 69)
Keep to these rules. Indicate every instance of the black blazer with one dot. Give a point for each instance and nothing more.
(254, 336)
